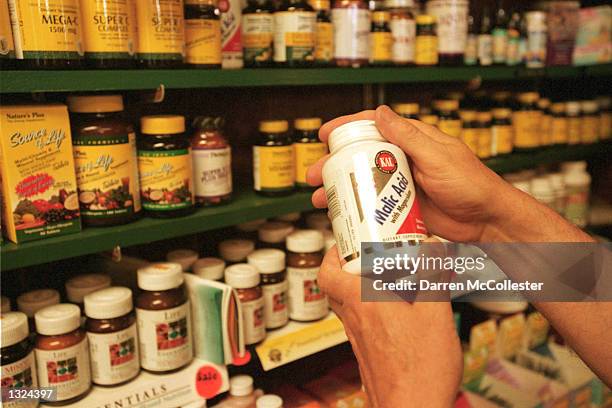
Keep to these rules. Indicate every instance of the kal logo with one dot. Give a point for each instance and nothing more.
(385, 161)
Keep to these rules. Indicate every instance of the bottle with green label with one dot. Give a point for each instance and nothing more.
(273, 163)
(500, 37)
(513, 38)
(257, 33)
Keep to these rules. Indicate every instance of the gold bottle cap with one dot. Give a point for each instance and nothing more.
(381, 16)
(273, 126)
(543, 103)
(467, 115)
(528, 97)
(446, 104)
(429, 118)
(95, 103)
(425, 19)
(502, 113)
(162, 124)
(557, 107)
(406, 108)
(319, 4)
(484, 116)
(307, 123)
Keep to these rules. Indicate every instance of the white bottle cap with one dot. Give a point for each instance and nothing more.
(572, 108)
(389, 4)
(269, 401)
(236, 250)
(209, 268)
(241, 385)
(80, 286)
(578, 166)
(251, 226)
(291, 217)
(523, 186)
(318, 221)
(14, 327)
(556, 181)
(58, 319)
(305, 241)
(577, 178)
(6, 304)
(160, 276)
(242, 276)
(267, 260)
(108, 303)
(31, 302)
(329, 239)
(274, 232)
(536, 20)
(589, 106)
(184, 257)
(352, 132)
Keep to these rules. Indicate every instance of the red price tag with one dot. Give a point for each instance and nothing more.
(208, 381)
(240, 361)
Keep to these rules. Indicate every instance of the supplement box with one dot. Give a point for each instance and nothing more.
(593, 45)
(39, 187)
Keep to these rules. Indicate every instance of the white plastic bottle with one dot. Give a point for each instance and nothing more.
(577, 184)
(542, 191)
(269, 401)
(558, 186)
(370, 192)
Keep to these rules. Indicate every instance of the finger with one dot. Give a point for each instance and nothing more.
(338, 285)
(327, 128)
(314, 174)
(319, 199)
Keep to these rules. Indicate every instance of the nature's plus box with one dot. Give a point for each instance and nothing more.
(38, 181)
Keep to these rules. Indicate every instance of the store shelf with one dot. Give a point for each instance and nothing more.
(118, 80)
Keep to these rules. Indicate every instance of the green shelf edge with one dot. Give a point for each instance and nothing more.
(246, 206)
(126, 80)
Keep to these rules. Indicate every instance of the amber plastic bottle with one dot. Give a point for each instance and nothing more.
(245, 279)
(294, 18)
(308, 149)
(271, 266)
(324, 40)
(381, 41)
(526, 122)
(257, 33)
(273, 165)
(448, 116)
(202, 34)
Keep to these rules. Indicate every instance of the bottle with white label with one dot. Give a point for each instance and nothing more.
(62, 352)
(271, 265)
(112, 334)
(304, 257)
(403, 31)
(351, 20)
(18, 368)
(245, 279)
(295, 23)
(163, 317)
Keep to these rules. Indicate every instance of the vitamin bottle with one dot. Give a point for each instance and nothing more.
(558, 187)
(573, 115)
(31, 302)
(589, 124)
(407, 110)
(381, 40)
(161, 33)
(269, 401)
(273, 234)
(7, 46)
(308, 149)
(558, 124)
(47, 34)
(361, 156)
(545, 121)
(403, 29)
(485, 134)
(241, 392)
(514, 37)
(485, 40)
(526, 122)
(429, 118)
(324, 39)
(542, 191)
(452, 19)
(304, 257)
(165, 166)
(212, 162)
(18, 366)
(81, 285)
(104, 146)
(235, 250)
(257, 33)
(536, 39)
(605, 117)
(107, 36)
(245, 279)
(294, 34)
(448, 116)
(273, 164)
(271, 266)
(112, 335)
(209, 268)
(351, 20)
(500, 37)
(470, 131)
(163, 317)
(426, 42)
(62, 354)
(470, 56)
(231, 20)
(202, 34)
(502, 132)
(184, 257)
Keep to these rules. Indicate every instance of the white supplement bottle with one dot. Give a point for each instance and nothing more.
(370, 192)
(270, 263)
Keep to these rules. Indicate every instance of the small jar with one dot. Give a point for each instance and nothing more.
(273, 234)
(202, 34)
(558, 124)
(161, 33)
(235, 250)
(257, 33)
(273, 165)
(31, 302)
(17, 354)
(6, 304)
(324, 39)
(469, 129)
(574, 122)
(318, 221)
(403, 29)
(407, 110)
(502, 132)
(304, 257)
(209, 268)
(164, 318)
(165, 166)
(545, 122)
(381, 40)
(112, 335)
(448, 116)
(271, 266)
(526, 122)
(104, 145)
(485, 135)
(426, 42)
(184, 257)
(589, 125)
(241, 391)
(308, 149)
(62, 353)
(351, 20)
(294, 21)
(81, 285)
(245, 279)
(269, 401)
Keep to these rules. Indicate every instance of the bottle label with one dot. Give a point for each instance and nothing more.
(7, 46)
(20, 374)
(485, 49)
(164, 338)
(324, 42)
(203, 41)
(577, 204)
(452, 24)
(306, 301)
(590, 128)
(114, 356)
(404, 33)
(307, 154)
(107, 175)
(484, 143)
(106, 29)
(605, 128)
(273, 168)
(503, 138)
(536, 49)
(471, 50)
(351, 33)
(254, 323)
(49, 29)
(512, 48)
(161, 32)
(573, 130)
(558, 130)
(526, 128)
(212, 169)
(66, 370)
(451, 127)
(381, 47)
(500, 45)
(545, 125)
(165, 179)
(257, 35)
(231, 41)
(469, 136)
(426, 50)
(276, 311)
(294, 36)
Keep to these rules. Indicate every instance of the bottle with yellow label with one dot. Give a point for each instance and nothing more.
(448, 116)
(485, 134)
(426, 42)
(572, 112)
(295, 23)
(426, 115)
(502, 132)
(202, 34)
(590, 124)
(381, 40)
(273, 163)
(407, 110)
(605, 117)
(7, 46)
(308, 149)
(469, 129)
(161, 33)
(104, 146)
(526, 122)
(558, 124)
(324, 38)
(545, 122)
(107, 35)
(165, 167)
(47, 34)
(257, 33)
